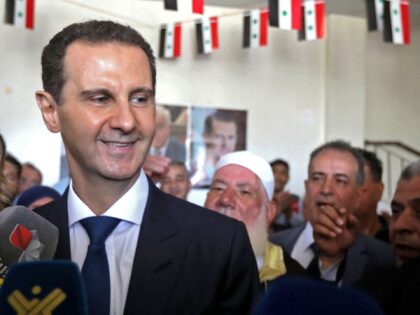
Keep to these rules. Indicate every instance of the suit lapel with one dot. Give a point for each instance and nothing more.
(159, 255)
(356, 261)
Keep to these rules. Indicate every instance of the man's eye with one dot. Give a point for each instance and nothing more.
(245, 192)
(216, 189)
(100, 99)
(139, 100)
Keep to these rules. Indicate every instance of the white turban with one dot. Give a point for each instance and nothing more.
(255, 164)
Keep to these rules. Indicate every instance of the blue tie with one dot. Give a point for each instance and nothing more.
(95, 270)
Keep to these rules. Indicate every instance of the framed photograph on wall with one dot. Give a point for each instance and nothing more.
(214, 132)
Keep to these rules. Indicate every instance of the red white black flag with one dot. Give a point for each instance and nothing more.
(170, 41)
(397, 22)
(375, 14)
(207, 35)
(194, 6)
(313, 20)
(20, 13)
(286, 14)
(255, 28)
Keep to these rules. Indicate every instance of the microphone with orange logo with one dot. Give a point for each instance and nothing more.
(24, 236)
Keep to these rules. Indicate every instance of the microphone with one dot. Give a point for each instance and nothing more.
(24, 236)
(43, 287)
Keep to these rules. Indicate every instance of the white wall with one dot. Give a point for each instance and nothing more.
(290, 89)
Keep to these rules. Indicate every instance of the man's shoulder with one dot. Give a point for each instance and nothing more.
(190, 215)
(377, 250)
(288, 237)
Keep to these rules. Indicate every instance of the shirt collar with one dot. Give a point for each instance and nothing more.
(130, 207)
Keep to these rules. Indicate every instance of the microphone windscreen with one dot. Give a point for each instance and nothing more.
(43, 287)
(25, 236)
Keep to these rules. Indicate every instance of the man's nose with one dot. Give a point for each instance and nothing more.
(327, 186)
(228, 197)
(123, 117)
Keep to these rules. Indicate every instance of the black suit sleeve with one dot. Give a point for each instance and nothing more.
(240, 290)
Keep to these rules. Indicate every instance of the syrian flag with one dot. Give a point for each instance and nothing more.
(255, 28)
(396, 22)
(194, 6)
(313, 20)
(375, 14)
(286, 14)
(170, 41)
(207, 35)
(20, 13)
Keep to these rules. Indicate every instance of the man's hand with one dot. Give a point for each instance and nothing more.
(335, 231)
(156, 166)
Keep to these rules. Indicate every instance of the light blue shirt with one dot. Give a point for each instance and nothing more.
(120, 245)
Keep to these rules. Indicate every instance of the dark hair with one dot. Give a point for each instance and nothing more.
(33, 167)
(374, 164)
(12, 160)
(343, 146)
(95, 32)
(411, 170)
(181, 164)
(280, 162)
(221, 115)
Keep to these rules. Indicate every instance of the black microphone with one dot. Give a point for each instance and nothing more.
(43, 287)
(24, 236)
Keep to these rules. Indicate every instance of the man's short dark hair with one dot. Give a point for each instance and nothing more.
(221, 115)
(94, 32)
(411, 170)
(182, 165)
(12, 160)
(374, 164)
(281, 163)
(33, 167)
(343, 146)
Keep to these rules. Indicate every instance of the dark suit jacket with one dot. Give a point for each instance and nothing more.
(189, 260)
(365, 253)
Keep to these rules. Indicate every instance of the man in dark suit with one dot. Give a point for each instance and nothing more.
(335, 177)
(141, 251)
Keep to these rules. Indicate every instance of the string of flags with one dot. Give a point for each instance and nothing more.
(307, 17)
(390, 17)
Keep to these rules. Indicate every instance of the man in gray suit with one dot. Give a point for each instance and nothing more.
(335, 177)
(163, 144)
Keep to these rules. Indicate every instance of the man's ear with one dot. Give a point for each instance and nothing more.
(48, 107)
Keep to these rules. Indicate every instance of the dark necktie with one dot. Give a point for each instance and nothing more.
(95, 270)
(313, 267)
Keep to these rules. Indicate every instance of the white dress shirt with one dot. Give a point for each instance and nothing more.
(122, 242)
(302, 251)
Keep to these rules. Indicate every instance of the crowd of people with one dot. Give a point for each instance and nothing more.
(165, 255)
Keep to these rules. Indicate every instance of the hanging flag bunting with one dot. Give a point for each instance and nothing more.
(207, 35)
(255, 28)
(194, 6)
(170, 41)
(286, 14)
(20, 13)
(375, 15)
(313, 20)
(396, 22)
